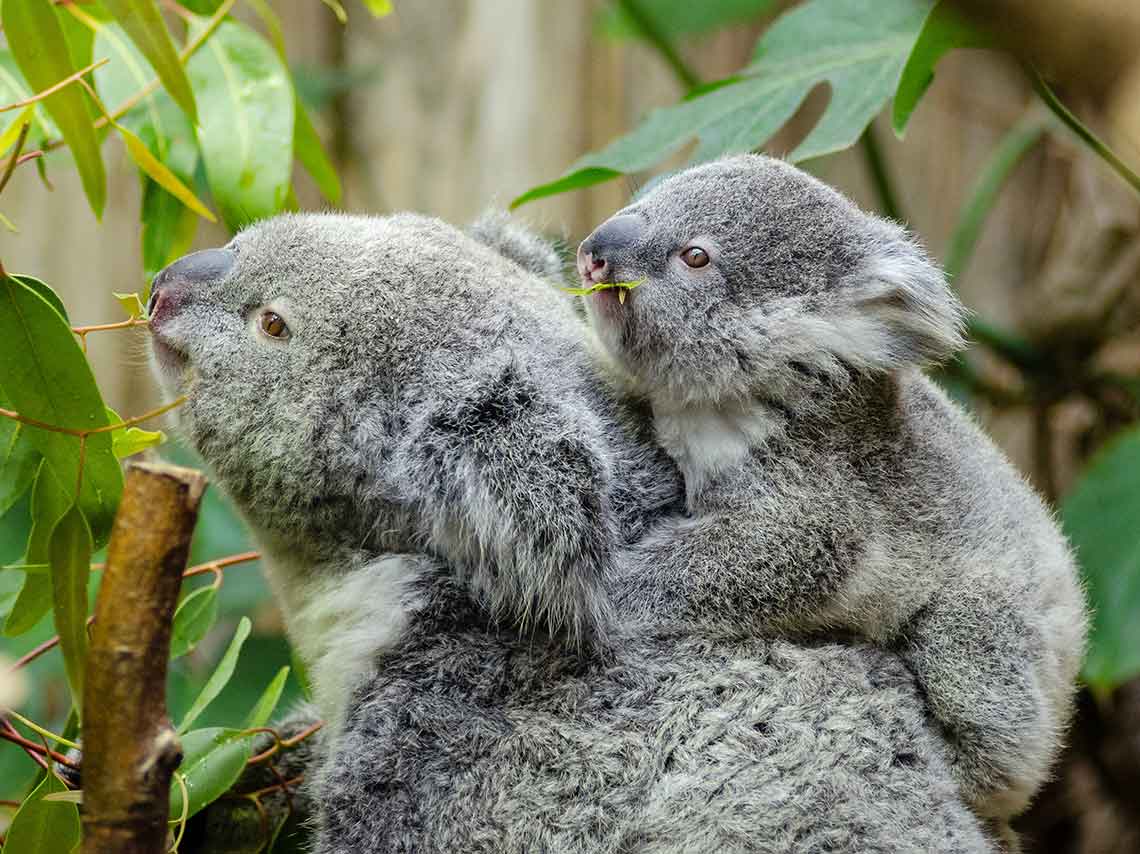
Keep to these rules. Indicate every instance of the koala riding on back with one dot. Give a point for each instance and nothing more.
(779, 334)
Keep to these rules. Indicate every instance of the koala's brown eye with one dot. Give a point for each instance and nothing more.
(694, 256)
(273, 325)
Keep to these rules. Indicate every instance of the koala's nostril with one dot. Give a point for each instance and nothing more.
(594, 262)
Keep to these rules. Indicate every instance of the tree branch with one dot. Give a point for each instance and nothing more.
(130, 747)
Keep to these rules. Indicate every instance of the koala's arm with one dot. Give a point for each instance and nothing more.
(511, 484)
(768, 560)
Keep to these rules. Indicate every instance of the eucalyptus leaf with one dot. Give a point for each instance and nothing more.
(143, 22)
(13, 88)
(45, 291)
(43, 827)
(45, 376)
(220, 677)
(70, 557)
(857, 47)
(212, 761)
(49, 504)
(19, 462)
(246, 114)
(266, 704)
(193, 618)
(311, 153)
(379, 8)
(1099, 516)
(680, 18)
(37, 42)
(943, 31)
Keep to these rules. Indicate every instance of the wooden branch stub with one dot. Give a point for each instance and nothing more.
(130, 748)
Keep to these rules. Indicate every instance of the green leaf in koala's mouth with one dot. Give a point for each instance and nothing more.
(605, 286)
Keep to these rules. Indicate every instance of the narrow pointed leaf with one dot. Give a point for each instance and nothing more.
(43, 827)
(245, 99)
(193, 618)
(12, 132)
(44, 375)
(311, 153)
(162, 176)
(263, 710)
(41, 51)
(212, 761)
(19, 462)
(168, 228)
(143, 23)
(220, 677)
(70, 553)
(49, 504)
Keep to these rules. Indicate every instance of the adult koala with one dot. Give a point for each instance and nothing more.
(416, 431)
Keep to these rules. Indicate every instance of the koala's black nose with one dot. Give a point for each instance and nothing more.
(195, 269)
(601, 250)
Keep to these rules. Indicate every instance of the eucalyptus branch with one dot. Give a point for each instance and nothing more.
(84, 433)
(653, 34)
(9, 733)
(1084, 133)
(6, 732)
(51, 90)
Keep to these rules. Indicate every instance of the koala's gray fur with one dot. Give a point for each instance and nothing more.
(829, 482)
(440, 479)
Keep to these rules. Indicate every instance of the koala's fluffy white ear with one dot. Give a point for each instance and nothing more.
(898, 307)
(529, 250)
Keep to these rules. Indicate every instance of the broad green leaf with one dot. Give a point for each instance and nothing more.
(858, 47)
(162, 176)
(220, 677)
(245, 100)
(307, 145)
(19, 461)
(680, 18)
(263, 710)
(70, 553)
(1099, 517)
(49, 503)
(44, 291)
(193, 618)
(143, 23)
(39, 826)
(45, 376)
(379, 8)
(943, 30)
(41, 51)
(212, 761)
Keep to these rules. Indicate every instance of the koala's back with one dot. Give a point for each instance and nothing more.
(472, 741)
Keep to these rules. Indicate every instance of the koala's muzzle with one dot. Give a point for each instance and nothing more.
(174, 283)
(609, 245)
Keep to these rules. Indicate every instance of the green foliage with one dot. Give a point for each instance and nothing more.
(212, 760)
(69, 552)
(41, 826)
(680, 18)
(220, 676)
(858, 47)
(36, 40)
(247, 120)
(143, 23)
(195, 615)
(1100, 518)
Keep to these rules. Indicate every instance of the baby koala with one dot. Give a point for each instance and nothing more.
(779, 334)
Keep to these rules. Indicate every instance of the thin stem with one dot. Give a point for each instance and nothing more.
(103, 327)
(880, 176)
(5, 732)
(221, 563)
(8, 733)
(36, 728)
(14, 159)
(51, 90)
(107, 428)
(149, 89)
(1085, 134)
(653, 34)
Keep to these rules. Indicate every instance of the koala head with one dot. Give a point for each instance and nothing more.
(303, 345)
(756, 279)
